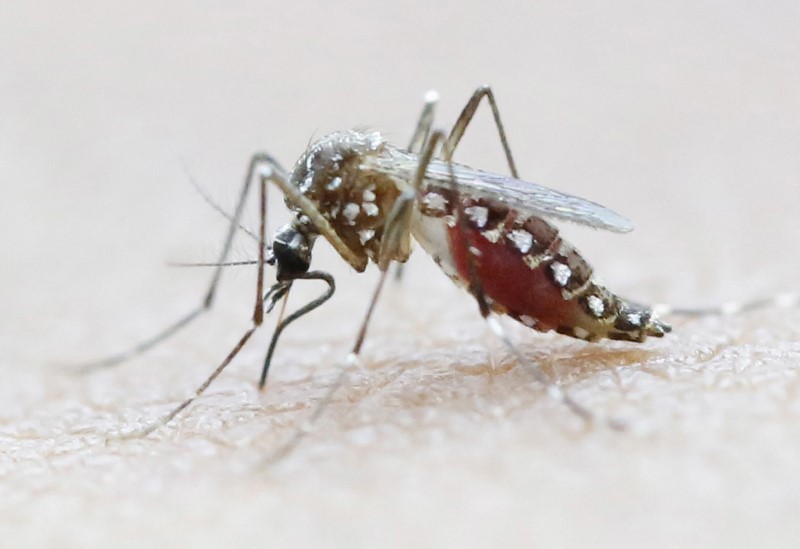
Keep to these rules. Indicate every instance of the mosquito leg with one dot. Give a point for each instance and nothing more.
(423, 128)
(782, 301)
(352, 359)
(436, 140)
(466, 117)
(418, 139)
(475, 285)
(266, 174)
(394, 247)
(467, 113)
(259, 161)
(319, 275)
(268, 170)
(199, 391)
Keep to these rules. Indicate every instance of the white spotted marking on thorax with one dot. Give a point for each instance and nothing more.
(374, 141)
(370, 209)
(307, 182)
(334, 183)
(365, 235)
(350, 212)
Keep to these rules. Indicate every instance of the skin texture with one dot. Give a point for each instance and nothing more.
(683, 118)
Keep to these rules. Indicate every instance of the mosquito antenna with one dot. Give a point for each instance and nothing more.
(211, 202)
(302, 311)
(113, 360)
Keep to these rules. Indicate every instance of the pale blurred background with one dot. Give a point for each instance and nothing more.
(683, 116)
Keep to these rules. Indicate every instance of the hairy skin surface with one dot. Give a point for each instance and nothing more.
(686, 122)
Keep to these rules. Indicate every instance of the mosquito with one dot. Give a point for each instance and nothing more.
(491, 234)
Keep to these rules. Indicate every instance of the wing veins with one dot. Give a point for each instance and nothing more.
(531, 198)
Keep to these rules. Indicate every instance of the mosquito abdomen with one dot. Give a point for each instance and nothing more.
(526, 270)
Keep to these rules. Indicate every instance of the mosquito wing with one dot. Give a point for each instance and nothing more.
(530, 198)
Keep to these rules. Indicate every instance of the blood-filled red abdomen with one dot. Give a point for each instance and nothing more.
(526, 270)
(509, 282)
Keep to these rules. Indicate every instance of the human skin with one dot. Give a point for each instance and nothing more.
(438, 424)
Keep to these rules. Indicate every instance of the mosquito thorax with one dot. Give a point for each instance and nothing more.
(338, 174)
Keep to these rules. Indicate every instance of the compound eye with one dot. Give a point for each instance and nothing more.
(292, 252)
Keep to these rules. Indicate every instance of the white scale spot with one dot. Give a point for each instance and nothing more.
(533, 261)
(478, 215)
(523, 240)
(561, 273)
(580, 332)
(350, 212)
(334, 184)
(494, 235)
(365, 235)
(431, 96)
(306, 184)
(369, 196)
(528, 321)
(596, 305)
(370, 209)
(374, 141)
(435, 202)
(450, 220)
(634, 318)
(474, 251)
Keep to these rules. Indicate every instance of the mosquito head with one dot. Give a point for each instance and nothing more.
(291, 251)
